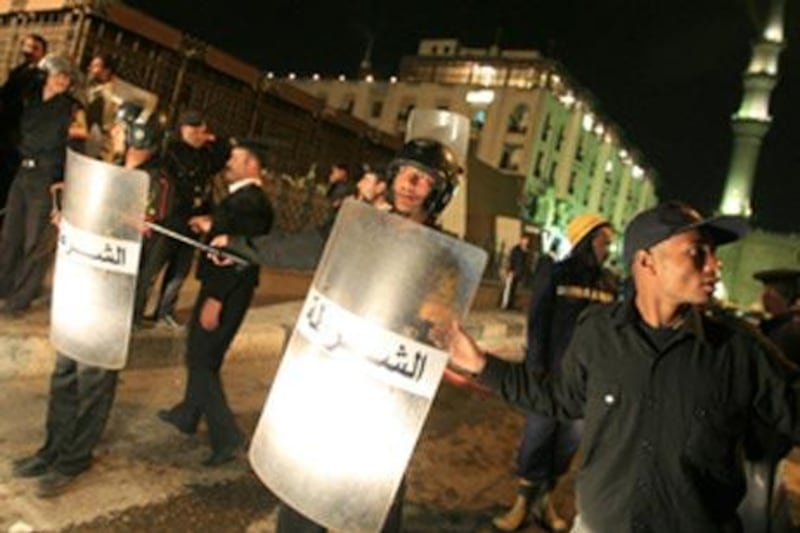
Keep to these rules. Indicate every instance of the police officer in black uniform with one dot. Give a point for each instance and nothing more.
(224, 297)
(81, 395)
(45, 130)
(22, 82)
(764, 447)
(780, 299)
(191, 161)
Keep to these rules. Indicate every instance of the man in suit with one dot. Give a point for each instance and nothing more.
(225, 294)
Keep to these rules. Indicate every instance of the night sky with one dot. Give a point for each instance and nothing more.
(667, 71)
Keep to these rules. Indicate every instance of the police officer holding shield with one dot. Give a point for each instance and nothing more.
(81, 395)
(422, 179)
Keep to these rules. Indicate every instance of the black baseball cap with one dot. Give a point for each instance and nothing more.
(659, 223)
(257, 147)
(191, 117)
(777, 275)
(785, 281)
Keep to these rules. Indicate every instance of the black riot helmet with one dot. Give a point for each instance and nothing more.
(431, 157)
(139, 132)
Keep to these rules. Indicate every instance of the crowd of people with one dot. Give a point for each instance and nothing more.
(651, 391)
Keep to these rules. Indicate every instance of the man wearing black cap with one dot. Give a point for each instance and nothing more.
(764, 447)
(190, 161)
(225, 295)
(667, 391)
(780, 300)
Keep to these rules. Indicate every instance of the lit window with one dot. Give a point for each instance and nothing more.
(485, 96)
(518, 120)
(478, 119)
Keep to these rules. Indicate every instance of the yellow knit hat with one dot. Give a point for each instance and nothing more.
(582, 225)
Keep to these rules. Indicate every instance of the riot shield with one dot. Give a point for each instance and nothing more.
(97, 261)
(360, 371)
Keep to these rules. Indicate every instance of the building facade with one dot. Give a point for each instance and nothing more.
(534, 130)
(237, 98)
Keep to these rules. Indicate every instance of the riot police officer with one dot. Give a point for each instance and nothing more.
(81, 395)
(422, 179)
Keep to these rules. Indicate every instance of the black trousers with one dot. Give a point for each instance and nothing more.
(158, 251)
(205, 353)
(178, 269)
(291, 521)
(77, 412)
(9, 163)
(24, 251)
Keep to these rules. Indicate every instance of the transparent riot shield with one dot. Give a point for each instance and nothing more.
(97, 261)
(360, 370)
(446, 127)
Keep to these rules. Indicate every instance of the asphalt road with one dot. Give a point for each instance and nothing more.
(148, 477)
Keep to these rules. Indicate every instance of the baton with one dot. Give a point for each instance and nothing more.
(196, 244)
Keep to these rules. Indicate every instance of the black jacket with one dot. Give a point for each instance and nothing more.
(784, 331)
(191, 170)
(662, 446)
(564, 290)
(44, 131)
(23, 82)
(246, 212)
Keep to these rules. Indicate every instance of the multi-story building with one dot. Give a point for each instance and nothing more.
(237, 98)
(541, 150)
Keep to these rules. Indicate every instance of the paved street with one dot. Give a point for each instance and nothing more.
(148, 476)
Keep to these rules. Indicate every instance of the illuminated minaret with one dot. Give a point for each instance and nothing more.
(752, 121)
